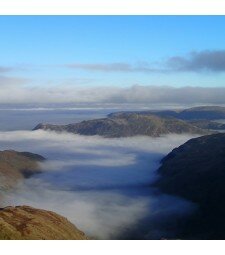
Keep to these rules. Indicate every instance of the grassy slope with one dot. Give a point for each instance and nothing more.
(24, 222)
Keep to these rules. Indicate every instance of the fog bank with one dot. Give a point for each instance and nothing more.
(100, 184)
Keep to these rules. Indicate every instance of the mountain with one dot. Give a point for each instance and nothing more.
(202, 117)
(126, 125)
(195, 113)
(15, 166)
(203, 112)
(196, 171)
(207, 124)
(24, 222)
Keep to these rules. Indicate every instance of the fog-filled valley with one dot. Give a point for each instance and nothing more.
(102, 185)
(112, 127)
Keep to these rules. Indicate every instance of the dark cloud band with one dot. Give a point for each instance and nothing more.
(213, 61)
(4, 69)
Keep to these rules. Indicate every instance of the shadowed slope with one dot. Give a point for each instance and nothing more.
(196, 171)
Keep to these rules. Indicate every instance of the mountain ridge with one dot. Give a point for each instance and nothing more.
(126, 125)
(193, 113)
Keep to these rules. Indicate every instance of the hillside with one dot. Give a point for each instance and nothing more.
(203, 112)
(195, 113)
(24, 222)
(126, 125)
(207, 124)
(15, 166)
(196, 171)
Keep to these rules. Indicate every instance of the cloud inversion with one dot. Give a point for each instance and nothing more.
(105, 199)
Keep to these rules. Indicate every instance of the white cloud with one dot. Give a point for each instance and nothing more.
(11, 94)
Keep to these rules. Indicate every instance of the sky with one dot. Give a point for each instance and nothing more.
(114, 52)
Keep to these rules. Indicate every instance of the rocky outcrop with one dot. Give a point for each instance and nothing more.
(24, 222)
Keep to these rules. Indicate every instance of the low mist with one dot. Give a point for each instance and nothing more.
(102, 185)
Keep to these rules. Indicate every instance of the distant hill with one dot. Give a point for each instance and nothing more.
(196, 171)
(203, 117)
(126, 125)
(207, 124)
(15, 166)
(24, 222)
(195, 113)
(204, 112)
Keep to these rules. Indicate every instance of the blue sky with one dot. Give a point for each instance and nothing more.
(42, 49)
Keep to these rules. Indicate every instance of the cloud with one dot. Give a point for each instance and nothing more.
(20, 67)
(208, 60)
(169, 95)
(114, 67)
(6, 81)
(5, 69)
(103, 199)
(114, 97)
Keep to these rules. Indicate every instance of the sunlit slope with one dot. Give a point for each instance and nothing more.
(24, 222)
